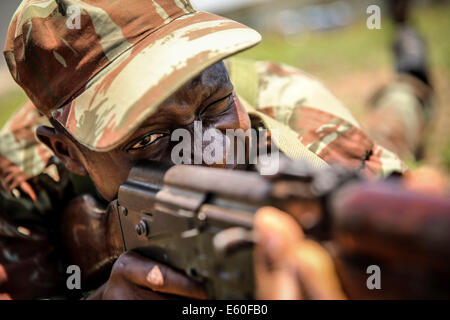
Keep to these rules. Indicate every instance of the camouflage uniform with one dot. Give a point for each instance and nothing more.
(100, 82)
(399, 115)
(313, 125)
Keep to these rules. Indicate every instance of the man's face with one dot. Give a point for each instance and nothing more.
(208, 98)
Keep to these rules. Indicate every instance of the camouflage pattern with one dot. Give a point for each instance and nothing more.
(313, 124)
(399, 115)
(81, 77)
(102, 81)
(22, 156)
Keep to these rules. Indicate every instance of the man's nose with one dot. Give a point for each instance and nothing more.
(209, 146)
(214, 148)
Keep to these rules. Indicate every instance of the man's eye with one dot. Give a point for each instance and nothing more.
(147, 141)
(218, 108)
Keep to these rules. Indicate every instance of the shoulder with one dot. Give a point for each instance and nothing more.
(281, 88)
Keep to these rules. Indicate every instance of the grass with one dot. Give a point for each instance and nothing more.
(329, 53)
(355, 47)
(9, 102)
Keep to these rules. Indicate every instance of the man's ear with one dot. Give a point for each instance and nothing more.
(63, 147)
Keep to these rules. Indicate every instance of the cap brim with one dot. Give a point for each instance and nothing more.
(129, 90)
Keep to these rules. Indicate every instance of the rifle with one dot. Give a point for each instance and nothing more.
(199, 220)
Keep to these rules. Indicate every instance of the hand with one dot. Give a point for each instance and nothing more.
(427, 180)
(135, 277)
(288, 266)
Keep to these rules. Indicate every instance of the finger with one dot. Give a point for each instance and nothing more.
(5, 296)
(287, 266)
(276, 224)
(97, 294)
(280, 283)
(149, 274)
(124, 290)
(278, 233)
(26, 187)
(146, 294)
(426, 180)
(316, 272)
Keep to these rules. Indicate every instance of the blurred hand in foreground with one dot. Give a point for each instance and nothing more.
(288, 266)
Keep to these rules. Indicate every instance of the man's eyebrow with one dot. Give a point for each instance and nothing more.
(149, 124)
(146, 125)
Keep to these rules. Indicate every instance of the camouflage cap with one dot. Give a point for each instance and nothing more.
(102, 78)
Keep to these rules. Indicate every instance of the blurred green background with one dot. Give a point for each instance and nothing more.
(351, 60)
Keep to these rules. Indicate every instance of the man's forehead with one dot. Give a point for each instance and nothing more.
(213, 79)
(213, 76)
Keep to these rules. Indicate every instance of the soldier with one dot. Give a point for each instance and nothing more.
(109, 93)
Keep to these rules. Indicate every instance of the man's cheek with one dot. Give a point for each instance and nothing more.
(108, 179)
